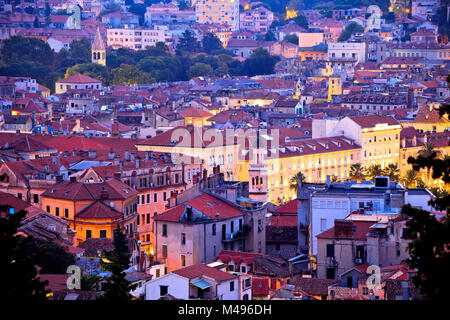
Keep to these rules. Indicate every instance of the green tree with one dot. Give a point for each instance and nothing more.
(50, 256)
(428, 153)
(292, 38)
(293, 182)
(211, 43)
(80, 51)
(429, 248)
(139, 9)
(301, 21)
(162, 68)
(19, 277)
(129, 74)
(269, 36)
(392, 172)
(188, 43)
(93, 70)
(90, 282)
(199, 69)
(409, 179)
(374, 170)
(350, 29)
(117, 287)
(357, 172)
(18, 49)
(260, 62)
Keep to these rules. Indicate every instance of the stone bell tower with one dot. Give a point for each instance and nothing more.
(98, 51)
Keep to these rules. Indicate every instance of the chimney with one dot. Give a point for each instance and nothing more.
(343, 228)
(132, 157)
(188, 213)
(111, 155)
(46, 167)
(121, 165)
(127, 155)
(92, 154)
(414, 141)
(117, 159)
(115, 130)
(74, 152)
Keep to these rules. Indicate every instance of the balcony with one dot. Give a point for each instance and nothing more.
(342, 59)
(230, 237)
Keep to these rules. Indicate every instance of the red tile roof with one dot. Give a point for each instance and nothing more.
(76, 191)
(195, 113)
(372, 120)
(358, 233)
(207, 204)
(283, 220)
(99, 210)
(78, 78)
(290, 207)
(198, 270)
(237, 256)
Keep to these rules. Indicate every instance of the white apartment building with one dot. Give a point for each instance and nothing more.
(135, 39)
(218, 11)
(346, 55)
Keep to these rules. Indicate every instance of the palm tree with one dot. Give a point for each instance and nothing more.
(293, 183)
(410, 178)
(392, 172)
(357, 172)
(428, 151)
(373, 171)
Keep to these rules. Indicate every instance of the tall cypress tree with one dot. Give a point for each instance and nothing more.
(19, 277)
(116, 287)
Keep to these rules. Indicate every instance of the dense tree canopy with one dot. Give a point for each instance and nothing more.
(19, 276)
(350, 29)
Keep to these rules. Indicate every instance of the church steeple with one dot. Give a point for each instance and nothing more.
(98, 51)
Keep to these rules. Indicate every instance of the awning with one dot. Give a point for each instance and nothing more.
(202, 284)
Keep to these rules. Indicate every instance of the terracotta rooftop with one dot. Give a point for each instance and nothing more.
(198, 270)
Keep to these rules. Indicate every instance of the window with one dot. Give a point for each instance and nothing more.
(183, 239)
(57, 212)
(155, 197)
(158, 273)
(48, 209)
(35, 198)
(330, 250)
(148, 218)
(277, 247)
(331, 273)
(214, 229)
(148, 197)
(88, 234)
(164, 251)
(231, 286)
(183, 260)
(323, 224)
(66, 212)
(164, 230)
(243, 269)
(230, 267)
(102, 233)
(163, 290)
(232, 226)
